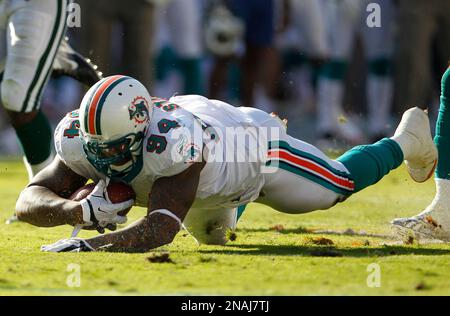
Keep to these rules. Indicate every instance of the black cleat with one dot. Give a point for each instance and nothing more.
(70, 63)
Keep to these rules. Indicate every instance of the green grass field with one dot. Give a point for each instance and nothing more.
(261, 261)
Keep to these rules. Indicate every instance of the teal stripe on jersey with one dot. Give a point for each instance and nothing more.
(310, 176)
(285, 145)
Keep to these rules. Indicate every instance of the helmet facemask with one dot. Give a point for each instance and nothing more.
(115, 158)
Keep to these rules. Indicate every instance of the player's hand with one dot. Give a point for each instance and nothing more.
(99, 211)
(68, 245)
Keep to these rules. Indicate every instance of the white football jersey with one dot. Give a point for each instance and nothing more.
(182, 130)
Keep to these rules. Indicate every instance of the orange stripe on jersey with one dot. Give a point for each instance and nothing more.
(313, 167)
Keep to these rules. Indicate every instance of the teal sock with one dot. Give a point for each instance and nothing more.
(240, 211)
(368, 164)
(36, 139)
(191, 71)
(335, 69)
(165, 62)
(380, 67)
(442, 138)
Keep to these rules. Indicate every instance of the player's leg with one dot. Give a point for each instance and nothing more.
(342, 20)
(34, 32)
(184, 25)
(434, 222)
(379, 44)
(416, 29)
(303, 179)
(138, 39)
(211, 226)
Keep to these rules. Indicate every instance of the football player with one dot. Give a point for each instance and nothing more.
(33, 32)
(192, 162)
(434, 221)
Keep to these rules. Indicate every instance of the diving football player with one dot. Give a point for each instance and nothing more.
(193, 162)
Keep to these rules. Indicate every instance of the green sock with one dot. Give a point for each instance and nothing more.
(36, 139)
(368, 164)
(442, 138)
(192, 75)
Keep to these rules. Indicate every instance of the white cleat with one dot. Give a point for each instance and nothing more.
(414, 137)
(431, 224)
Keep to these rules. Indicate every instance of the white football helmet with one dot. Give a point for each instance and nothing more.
(223, 32)
(114, 116)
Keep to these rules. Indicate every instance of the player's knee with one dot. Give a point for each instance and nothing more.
(12, 95)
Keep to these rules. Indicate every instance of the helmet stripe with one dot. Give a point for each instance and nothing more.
(93, 104)
(102, 102)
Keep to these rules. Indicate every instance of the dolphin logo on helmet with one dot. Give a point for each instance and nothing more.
(138, 110)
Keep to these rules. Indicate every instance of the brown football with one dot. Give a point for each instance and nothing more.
(117, 192)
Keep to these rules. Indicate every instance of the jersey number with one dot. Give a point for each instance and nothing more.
(73, 130)
(164, 105)
(157, 143)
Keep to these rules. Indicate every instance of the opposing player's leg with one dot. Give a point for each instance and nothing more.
(434, 221)
(34, 32)
(303, 179)
(210, 226)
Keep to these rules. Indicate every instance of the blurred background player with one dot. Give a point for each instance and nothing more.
(423, 49)
(179, 48)
(304, 49)
(223, 41)
(259, 63)
(119, 34)
(344, 19)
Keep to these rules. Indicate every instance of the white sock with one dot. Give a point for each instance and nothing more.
(405, 146)
(34, 169)
(329, 103)
(442, 198)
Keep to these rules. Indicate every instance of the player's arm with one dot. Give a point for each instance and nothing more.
(173, 195)
(44, 202)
